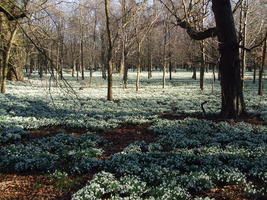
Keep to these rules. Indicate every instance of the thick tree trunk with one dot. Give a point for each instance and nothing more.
(4, 72)
(231, 88)
(6, 59)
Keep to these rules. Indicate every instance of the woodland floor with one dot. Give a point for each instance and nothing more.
(44, 187)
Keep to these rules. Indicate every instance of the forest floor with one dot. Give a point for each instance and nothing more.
(46, 187)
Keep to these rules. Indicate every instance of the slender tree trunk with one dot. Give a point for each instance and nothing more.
(122, 61)
(194, 76)
(110, 71)
(104, 62)
(150, 66)
(231, 89)
(109, 60)
(201, 76)
(169, 52)
(125, 77)
(254, 70)
(243, 30)
(91, 75)
(261, 71)
(138, 67)
(77, 72)
(57, 64)
(164, 75)
(202, 66)
(73, 68)
(170, 64)
(149, 58)
(165, 32)
(123, 36)
(82, 56)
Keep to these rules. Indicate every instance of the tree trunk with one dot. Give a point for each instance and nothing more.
(165, 32)
(125, 77)
(170, 65)
(150, 66)
(243, 31)
(164, 75)
(201, 76)
(91, 75)
(138, 67)
(254, 72)
(4, 72)
(231, 88)
(6, 58)
(203, 56)
(194, 76)
(110, 70)
(109, 60)
(261, 71)
(202, 66)
(81, 56)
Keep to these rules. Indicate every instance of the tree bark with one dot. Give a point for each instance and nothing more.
(243, 32)
(6, 58)
(202, 66)
(109, 60)
(261, 71)
(165, 32)
(194, 76)
(231, 89)
(138, 67)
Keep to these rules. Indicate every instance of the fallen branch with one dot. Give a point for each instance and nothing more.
(202, 107)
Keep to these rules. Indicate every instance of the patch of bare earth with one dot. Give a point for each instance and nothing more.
(36, 187)
(226, 193)
(124, 135)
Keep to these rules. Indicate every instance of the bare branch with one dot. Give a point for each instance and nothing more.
(255, 46)
(10, 16)
(237, 5)
(192, 31)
